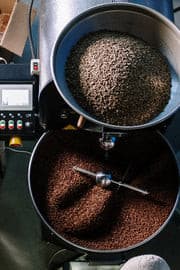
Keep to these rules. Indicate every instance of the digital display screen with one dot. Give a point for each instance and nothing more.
(16, 97)
(11, 97)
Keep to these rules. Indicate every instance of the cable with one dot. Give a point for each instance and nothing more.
(16, 151)
(177, 9)
(31, 42)
(3, 60)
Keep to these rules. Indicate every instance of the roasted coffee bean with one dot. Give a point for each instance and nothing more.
(97, 218)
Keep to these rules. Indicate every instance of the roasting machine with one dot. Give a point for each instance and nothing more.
(107, 156)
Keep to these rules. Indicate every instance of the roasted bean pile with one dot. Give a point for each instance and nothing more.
(98, 218)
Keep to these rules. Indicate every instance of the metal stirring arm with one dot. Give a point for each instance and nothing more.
(104, 180)
(144, 192)
(75, 168)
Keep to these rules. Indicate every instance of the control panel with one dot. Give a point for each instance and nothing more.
(17, 123)
(18, 113)
(18, 102)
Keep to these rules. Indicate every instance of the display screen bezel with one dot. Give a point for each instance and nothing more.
(13, 87)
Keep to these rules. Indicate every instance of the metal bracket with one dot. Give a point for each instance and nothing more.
(61, 259)
(108, 138)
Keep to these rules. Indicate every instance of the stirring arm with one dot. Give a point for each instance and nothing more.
(104, 180)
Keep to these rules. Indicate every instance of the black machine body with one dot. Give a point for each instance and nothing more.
(18, 102)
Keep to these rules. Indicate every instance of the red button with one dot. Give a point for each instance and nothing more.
(19, 126)
(2, 124)
(2, 127)
(11, 124)
(35, 67)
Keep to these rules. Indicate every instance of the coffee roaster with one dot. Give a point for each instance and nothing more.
(62, 24)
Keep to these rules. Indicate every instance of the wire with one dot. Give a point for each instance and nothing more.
(16, 151)
(177, 9)
(31, 42)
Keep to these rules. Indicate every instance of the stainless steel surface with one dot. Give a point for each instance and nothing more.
(103, 180)
(139, 21)
(107, 142)
(54, 16)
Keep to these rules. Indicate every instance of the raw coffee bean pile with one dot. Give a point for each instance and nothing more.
(97, 218)
(117, 78)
